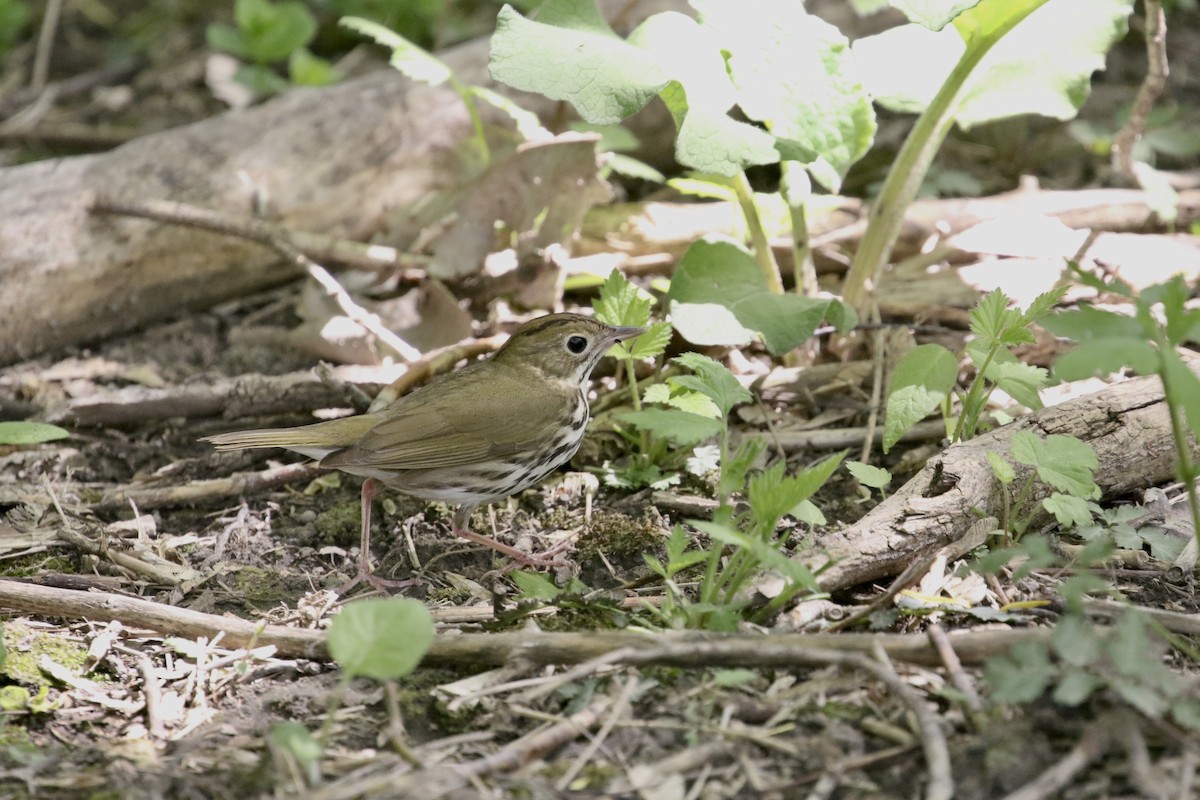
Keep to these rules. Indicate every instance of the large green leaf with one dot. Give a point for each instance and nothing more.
(933, 14)
(570, 53)
(1044, 65)
(795, 72)
(720, 297)
(1035, 68)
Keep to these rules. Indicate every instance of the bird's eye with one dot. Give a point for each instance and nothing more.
(577, 344)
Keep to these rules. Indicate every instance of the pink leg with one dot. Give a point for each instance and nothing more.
(550, 558)
(364, 575)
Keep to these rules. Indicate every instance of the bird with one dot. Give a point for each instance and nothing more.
(476, 435)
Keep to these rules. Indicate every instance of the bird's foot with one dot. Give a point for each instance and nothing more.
(381, 585)
(550, 558)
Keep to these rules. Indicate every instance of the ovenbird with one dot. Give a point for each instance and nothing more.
(474, 436)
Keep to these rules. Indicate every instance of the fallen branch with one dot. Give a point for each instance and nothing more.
(1127, 424)
(693, 650)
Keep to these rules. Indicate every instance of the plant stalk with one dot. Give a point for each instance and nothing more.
(1180, 433)
(758, 237)
(910, 167)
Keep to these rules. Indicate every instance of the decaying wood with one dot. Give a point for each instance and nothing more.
(334, 160)
(229, 398)
(676, 648)
(1127, 424)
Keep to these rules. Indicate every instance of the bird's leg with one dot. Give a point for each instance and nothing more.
(550, 558)
(364, 575)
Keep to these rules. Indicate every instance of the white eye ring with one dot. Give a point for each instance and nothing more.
(576, 344)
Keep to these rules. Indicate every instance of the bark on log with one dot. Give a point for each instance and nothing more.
(1127, 424)
(330, 160)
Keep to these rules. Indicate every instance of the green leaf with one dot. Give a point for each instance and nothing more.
(992, 318)
(720, 297)
(1163, 546)
(1002, 469)
(653, 342)
(295, 739)
(1105, 355)
(1071, 512)
(764, 553)
(1075, 687)
(679, 427)
(1179, 319)
(622, 303)
(271, 31)
(680, 554)
(1146, 699)
(733, 677)
(772, 494)
(1022, 676)
(806, 511)
(695, 403)
(933, 14)
(710, 140)
(534, 586)
(794, 72)
(30, 433)
(1086, 324)
(226, 39)
(1075, 641)
(867, 475)
(570, 53)
(921, 381)
(381, 639)
(735, 469)
(712, 379)
(1183, 387)
(1064, 462)
(657, 393)
(1034, 68)
(1186, 712)
(1021, 381)
(14, 14)
(305, 69)
(260, 79)
(1100, 284)
(709, 187)
(1043, 304)
(413, 61)
(1031, 69)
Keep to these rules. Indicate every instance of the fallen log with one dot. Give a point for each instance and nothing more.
(1127, 424)
(336, 160)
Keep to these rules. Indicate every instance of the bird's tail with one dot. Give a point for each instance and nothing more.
(314, 441)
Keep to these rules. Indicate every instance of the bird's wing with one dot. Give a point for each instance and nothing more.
(436, 430)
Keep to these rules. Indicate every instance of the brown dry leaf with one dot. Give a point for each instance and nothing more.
(544, 187)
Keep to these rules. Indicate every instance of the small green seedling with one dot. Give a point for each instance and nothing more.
(925, 378)
(267, 33)
(382, 639)
(1147, 343)
(1065, 463)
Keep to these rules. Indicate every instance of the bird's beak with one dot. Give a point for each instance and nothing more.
(618, 334)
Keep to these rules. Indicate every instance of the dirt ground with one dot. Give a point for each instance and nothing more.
(91, 708)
